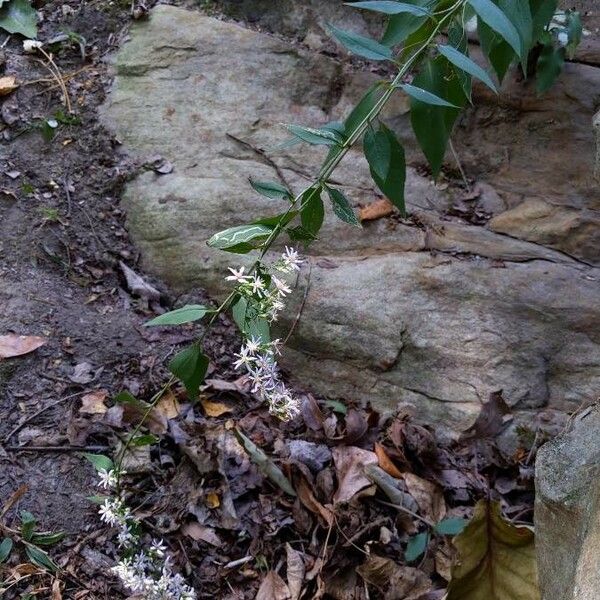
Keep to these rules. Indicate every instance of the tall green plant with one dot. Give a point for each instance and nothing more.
(427, 42)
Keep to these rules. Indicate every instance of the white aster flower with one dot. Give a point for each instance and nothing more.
(281, 286)
(291, 258)
(158, 548)
(253, 345)
(109, 511)
(108, 479)
(237, 276)
(257, 285)
(243, 358)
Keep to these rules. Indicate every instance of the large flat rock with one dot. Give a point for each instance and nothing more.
(437, 313)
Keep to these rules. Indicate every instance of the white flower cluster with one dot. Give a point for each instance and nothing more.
(147, 572)
(266, 294)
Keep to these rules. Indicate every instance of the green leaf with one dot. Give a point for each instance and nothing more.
(416, 546)
(5, 549)
(360, 45)
(299, 234)
(27, 524)
(363, 108)
(497, 51)
(433, 124)
(457, 39)
(424, 95)
(47, 539)
(450, 526)
(40, 558)
(99, 500)
(387, 164)
(264, 463)
(124, 397)
(313, 211)
(190, 367)
(271, 189)
(391, 7)
(238, 238)
(282, 218)
(467, 65)
(341, 207)
(147, 439)
(495, 559)
(574, 31)
(519, 14)
(239, 313)
(99, 461)
(541, 13)
(399, 27)
(185, 314)
(258, 327)
(18, 16)
(549, 66)
(492, 16)
(321, 136)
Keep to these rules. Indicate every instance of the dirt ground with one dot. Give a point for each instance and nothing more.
(62, 238)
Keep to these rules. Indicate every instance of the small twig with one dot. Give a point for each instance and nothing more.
(37, 413)
(56, 448)
(407, 511)
(297, 319)
(459, 165)
(237, 563)
(53, 68)
(67, 194)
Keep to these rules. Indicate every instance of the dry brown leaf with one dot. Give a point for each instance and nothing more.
(396, 581)
(306, 496)
(385, 462)
(215, 409)
(16, 345)
(8, 84)
(213, 500)
(273, 588)
(350, 462)
(376, 210)
(295, 571)
(93, 403)
(428, 496)
(491, 420)
(444, 558)
(56, 593)
(168, 406)
(201, 533)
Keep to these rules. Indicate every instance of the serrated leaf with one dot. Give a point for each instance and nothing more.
(18, 16)
(399, 27)
(549, 66)
(416, 546)
(424, 96)
(311, 135)
(361, 45)
(47, 539)
(239, 237)
(391, 7)
(450, 526)
(40, 558)
(495, 559)
(99, 461)
(433, 124)
(271, 189)
(312, 212)
(387, 164)
(342, 208)
(190, 366)
(492, 16)
(264, 463)
(467, 65)
(185, 314)
(5, 549)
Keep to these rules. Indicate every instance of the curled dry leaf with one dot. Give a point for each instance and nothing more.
(201, 533)
(93, 403)
(491, 420)
(8, 84)
(395, 581)
(350, 463)
(376, 210)
(12, 345)
(308, 499)
(215, 409)
(273, 588)
(496, 559)
(385, 462)
(168, 406)
(427, 495)
(295, 572)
